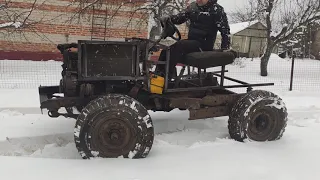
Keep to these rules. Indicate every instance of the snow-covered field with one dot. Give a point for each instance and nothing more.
(34, 146)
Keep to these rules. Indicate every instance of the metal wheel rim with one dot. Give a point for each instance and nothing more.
(262, 125)
(112, 134)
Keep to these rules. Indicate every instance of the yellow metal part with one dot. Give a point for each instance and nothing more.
(156, 84)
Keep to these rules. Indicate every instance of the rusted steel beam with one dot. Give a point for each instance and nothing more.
(57, 103)
(218, 100)
(185, 103)
(210, 112)
(212, 101)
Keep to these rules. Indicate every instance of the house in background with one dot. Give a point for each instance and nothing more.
(247, 38)
(52, 27)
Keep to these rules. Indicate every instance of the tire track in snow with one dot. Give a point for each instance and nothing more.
(49, 146)
(179, 132)
(170, 130)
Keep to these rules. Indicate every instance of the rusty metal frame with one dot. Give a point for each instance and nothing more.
(206, 107)
(202, 101)
(209, 112)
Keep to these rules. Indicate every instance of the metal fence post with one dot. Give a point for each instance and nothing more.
(292, 70)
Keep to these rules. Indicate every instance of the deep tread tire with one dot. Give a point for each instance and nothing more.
(254, 108)
(111, 117)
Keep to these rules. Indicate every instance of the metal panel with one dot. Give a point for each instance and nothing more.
(108, 60)
(80, 59)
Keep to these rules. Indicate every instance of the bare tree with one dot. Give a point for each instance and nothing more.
(18, 21)
(102, 13)
(248, 13)
(12, 18)
(282, 18)
(109, 8)
(153, 9)
(301, 41)
(159, 8)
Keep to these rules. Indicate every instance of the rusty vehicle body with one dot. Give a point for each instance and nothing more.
(106, 85)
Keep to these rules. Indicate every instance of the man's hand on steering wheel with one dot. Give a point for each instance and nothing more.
(169, 29)
(164, 19)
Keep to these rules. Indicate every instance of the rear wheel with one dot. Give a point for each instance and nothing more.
(114, 126)
(258, 116)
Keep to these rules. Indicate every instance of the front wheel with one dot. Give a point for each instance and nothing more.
(114, 126)
(258, 116)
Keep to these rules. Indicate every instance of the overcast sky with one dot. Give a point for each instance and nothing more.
(230, 5)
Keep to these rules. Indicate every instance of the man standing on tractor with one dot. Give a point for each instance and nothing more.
(206, 18)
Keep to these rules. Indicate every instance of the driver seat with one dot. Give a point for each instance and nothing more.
(209, 59)
(204, 60)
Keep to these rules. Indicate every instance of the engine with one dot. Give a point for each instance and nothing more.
(69, 83)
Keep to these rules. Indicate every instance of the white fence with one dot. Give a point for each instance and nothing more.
(31, 74)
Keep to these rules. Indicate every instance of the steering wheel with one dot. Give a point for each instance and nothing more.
(169, 29)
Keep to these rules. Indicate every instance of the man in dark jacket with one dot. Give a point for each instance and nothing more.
(206, 18)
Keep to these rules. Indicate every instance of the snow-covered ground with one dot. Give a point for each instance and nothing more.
(34, 146)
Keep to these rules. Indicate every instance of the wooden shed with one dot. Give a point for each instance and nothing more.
(247, 38)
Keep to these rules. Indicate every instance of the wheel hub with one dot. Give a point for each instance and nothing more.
(112, 135)
(262, 122)
(261, 126)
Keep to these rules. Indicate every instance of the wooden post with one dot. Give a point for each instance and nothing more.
(250, 41)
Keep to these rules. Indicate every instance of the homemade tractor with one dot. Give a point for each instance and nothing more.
(108, 87)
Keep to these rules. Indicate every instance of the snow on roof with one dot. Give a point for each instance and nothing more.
(237, 27)
(15, 24)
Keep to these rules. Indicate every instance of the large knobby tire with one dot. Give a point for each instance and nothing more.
(114, 126)
(258, 116)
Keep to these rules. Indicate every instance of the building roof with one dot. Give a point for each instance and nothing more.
(237, 27)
